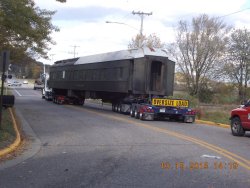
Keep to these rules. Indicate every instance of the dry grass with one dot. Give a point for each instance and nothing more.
(215, 113)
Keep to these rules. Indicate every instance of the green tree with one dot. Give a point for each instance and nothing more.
(198, 49)
(237, 64)
(152, 41)
(25, 29)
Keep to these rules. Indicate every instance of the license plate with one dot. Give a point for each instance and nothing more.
(162, 110)
(170, 102)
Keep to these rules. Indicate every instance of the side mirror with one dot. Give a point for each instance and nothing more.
(247, 103)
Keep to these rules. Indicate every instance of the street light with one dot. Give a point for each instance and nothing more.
(121, 23)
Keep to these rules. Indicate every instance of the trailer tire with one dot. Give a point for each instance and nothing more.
(141, 116)
(132, 112)
(119, 108)
(116, 107)
(136, 114)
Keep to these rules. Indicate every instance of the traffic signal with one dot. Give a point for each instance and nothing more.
(4, 77)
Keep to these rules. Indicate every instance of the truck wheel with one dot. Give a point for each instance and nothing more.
(236, 127)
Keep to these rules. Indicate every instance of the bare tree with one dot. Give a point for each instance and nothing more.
(237, 65)
(198, 49)
(152, 41)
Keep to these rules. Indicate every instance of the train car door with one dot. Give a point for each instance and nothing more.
(156, 76)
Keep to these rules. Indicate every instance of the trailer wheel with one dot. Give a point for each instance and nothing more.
(119, 108)
(116, 107)
(113, 107)
(236, 127)
(132, 113)
(141, 117)
(136, 114)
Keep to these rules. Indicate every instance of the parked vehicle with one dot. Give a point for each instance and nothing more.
(129, 79)
(38, 84)
(25, 82)
(9, 82)
(14, 83)
(240, 119)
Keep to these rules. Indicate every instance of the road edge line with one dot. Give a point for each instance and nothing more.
(17, 141)
(212, 123)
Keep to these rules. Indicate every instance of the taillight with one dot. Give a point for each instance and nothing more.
(147, 109)
(191, 112)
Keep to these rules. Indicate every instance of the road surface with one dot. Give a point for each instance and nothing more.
(91, 146)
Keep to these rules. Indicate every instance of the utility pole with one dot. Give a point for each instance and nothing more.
(74, 52)
(5, 61)
(52, 57)
(141, 14)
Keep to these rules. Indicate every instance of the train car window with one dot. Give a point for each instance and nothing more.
(75, 75)
(63, 75)
(104, 73)
(88, 75)
(121, 72)
(95, 75)
(80, 75)
(101, 74)
(67, 75)
(71, 75)
(53, 75)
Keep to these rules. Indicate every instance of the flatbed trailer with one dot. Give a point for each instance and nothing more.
(144, 109)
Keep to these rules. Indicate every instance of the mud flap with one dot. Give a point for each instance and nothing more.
(189, 119)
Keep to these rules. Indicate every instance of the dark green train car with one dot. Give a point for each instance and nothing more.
(114, 76)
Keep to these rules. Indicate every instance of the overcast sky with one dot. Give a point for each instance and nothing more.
(83, 24)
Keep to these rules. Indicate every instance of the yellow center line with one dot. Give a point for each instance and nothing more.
(236, 158)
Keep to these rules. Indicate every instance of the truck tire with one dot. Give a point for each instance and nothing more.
(136, 114)
(236, 127)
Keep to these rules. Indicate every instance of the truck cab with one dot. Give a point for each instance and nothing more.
(240, 119)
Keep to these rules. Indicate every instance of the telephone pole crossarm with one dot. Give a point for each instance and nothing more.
(141, 14)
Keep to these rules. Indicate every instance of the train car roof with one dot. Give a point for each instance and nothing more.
(113, 56)
(120, 55)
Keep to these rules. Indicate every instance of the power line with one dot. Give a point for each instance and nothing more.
(234, 13)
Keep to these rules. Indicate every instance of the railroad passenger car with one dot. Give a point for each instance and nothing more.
(115, 76)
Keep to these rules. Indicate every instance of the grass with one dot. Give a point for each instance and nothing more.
(7, 132)
(215, 113)
(217, 117)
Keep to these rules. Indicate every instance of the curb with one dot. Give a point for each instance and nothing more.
(213, 123)
(17, 141)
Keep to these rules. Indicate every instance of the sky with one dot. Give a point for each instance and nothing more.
(84, 31)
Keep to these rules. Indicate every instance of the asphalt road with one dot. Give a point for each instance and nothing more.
(91, 146)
